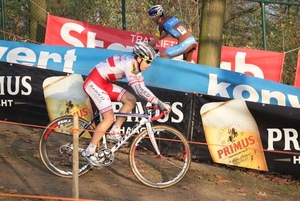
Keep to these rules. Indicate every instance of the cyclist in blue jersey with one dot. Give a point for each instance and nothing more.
(170, 25)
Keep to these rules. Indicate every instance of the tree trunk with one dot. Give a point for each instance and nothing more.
(211, 29)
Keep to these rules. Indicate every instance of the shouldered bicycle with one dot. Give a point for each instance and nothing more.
(159, 155)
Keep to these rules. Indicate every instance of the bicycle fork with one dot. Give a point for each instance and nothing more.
(152, 137)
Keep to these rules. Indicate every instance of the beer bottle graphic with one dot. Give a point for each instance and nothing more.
(64, 95)
(232, 134)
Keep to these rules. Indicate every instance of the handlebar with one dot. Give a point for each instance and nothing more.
(154, 108)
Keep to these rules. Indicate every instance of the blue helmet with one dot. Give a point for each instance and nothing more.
(156, 10)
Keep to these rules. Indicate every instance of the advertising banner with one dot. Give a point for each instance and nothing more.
(163, 73)
(22, 97)
(66, 32)
(38, 96)
(258, 63)
(297, 75)
(240, 133)
(227, 131)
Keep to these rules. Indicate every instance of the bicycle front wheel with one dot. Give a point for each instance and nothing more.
(166, 169)
(56, 146)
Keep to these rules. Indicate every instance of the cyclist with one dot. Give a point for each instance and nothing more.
(100, 88)
(170, 25)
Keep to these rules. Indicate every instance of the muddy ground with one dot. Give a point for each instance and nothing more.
(24, 176)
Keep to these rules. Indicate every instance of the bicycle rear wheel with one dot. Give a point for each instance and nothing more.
(56, 146)
(164, 170)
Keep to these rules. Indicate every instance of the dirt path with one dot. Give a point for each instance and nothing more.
(23, 173)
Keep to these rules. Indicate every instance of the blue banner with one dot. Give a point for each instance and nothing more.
(164, 73)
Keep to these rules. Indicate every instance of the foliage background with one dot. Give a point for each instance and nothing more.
(25, 20)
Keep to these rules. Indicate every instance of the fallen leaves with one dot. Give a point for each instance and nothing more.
(261, 194)
(242, 192)
(221, 181)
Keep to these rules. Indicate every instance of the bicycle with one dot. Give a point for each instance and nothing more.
(159, 156)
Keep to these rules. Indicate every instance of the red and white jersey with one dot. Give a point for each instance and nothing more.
(124, 66)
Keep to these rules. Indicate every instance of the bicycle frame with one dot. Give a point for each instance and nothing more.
(145, 120)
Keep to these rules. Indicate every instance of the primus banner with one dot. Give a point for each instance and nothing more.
(66, 32)
(250, 135)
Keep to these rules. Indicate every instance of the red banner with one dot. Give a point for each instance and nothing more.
(297, 76)
(263, 64)
(67, 32)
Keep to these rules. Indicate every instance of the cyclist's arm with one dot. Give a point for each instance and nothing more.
(159, 35)
(138, 85)
(143, 92)
(163, 35)
(136, 80)
(153, 41)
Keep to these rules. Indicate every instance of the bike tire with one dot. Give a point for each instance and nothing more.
(165, 171)
(54, 152)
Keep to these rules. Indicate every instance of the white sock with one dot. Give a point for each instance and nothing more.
(91, 149)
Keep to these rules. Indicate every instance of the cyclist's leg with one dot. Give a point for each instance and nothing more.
(188, 54)
(103, 126)
(180, 48)
(126, 98)
(117, 93)
(164, 55)
(94, 86)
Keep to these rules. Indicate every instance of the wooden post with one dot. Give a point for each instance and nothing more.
(75, 157)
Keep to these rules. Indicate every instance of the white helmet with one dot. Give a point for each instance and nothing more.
(144, 50)
(156, 10)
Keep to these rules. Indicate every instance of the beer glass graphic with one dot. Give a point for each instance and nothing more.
(232, 134)
(64, 95)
